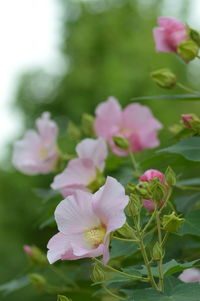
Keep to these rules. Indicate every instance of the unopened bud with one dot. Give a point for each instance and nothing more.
(134, 205)
(98, 274)
(126, 231)
(88, 124)
(143, 189)
(121, 142)
(38, 281)
(73, 131)
(172, 222)
(157, 252)
(63, 298)
(195, 36)
(192, 122)
(188, 50)
(164, 78)
(170, 176)
(157, 190)
(35, 255)
(98, 181)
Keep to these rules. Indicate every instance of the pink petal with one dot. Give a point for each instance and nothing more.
(108, 118)
(58, 245)
(109, 202)
(167, 22)
(161, 42)
(47, 128)
(94, 149)
(190, 275)
(75, 213)
(78, 174)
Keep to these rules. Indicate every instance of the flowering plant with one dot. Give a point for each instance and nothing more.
(123, 225)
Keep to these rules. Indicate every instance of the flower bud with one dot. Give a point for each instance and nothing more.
(98, 181)
(121, 142)
(38, 281)
(126, 231)
(170, 176)
(134, 205)
(35, 255)
(98, 274)
(88, 124)
(172, 222)
(195, 36)
(188, 50)
(73, 131)
(63, 298)
(157, 190)
(143, 189)
(164, 78)
(192, 122)
(157, 252)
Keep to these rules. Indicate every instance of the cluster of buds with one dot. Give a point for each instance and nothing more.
(153, 188)
(191, 122)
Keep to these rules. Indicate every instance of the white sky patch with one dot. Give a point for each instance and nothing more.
(29, 31)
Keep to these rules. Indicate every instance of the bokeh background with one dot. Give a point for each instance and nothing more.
(105, 47)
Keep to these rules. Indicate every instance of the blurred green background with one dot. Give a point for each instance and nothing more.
(108, 49)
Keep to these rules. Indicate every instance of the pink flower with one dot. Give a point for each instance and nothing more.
(147, 177)
(135, 123)
(82, 171)
(169, 34)
(190, 275)
(85, 221)
(187, 118)
(37, 152)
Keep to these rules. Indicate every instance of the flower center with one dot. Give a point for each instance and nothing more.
(95, 236)
(43, 153)
(125, 131)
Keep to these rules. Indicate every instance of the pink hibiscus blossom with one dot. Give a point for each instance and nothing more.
(169, 34)
(82, 171)
(85, 221)
(135, 123)
(37, 152)
(147, 177)
(190, 275)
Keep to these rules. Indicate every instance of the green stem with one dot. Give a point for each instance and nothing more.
(134, 162)
(187, 89)
(160, 243)
(149, 222)
(144, 253)
(165, 239)
(124, 239)
(119, 272)
(113, 294)
(62, 276)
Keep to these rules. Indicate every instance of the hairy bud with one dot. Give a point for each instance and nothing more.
(172, 222)
(73, 131)
(170, 176)
(126, 231)
(121, 142)
(188, 50)
(134, 205)
(38, 281)
(157, 252)
(164, 78)
(195, 36)
(35, 255)
(98, 274)
(88, 124)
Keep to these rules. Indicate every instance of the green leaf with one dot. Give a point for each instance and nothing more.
(181, 292)
(14, 285)
(188, 148)
(185, 202)
(170, 268)
(191, 224)
(121, 248)
(188, 182)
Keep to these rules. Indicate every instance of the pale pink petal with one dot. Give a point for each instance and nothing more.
(75, 213)
(58, 245)
(109, 202)
(149, 205)
(108, 118)
(162, 44)
(169, 22)
(78, 174)
(190, 275)
(95, 150)
(47, 128)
